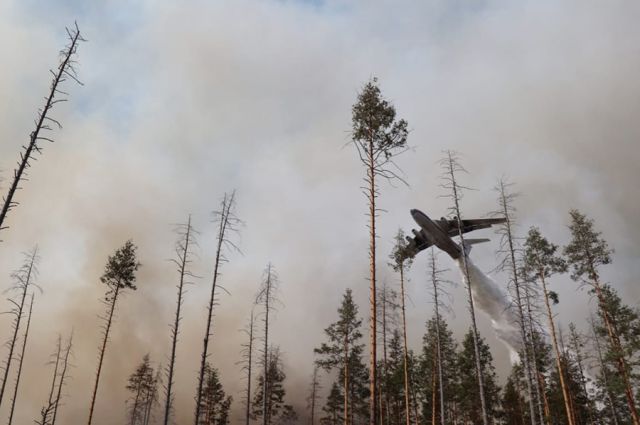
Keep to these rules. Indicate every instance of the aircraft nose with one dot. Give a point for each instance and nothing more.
(415, 213)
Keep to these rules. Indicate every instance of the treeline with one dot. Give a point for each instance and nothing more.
(575, 373)
(562, 376)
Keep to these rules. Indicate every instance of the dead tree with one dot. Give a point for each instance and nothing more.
(119, 275)
(227, 222)
(63, 378)
(268, 298)
(576, 344)
(435, 276)
(388, 311)
(313, 397)
(21, 362)
(43, 120)
(509, 264)
(603, 371)
(182, 262)
(451, 168)
(378, 138)
(24, 279)
(246, 361)
(401, 263)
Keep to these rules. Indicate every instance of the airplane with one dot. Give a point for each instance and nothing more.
(440, 232)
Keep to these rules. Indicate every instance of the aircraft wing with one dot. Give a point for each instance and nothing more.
(469, 225)
(417, 243)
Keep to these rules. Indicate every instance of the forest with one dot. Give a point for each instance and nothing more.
(367, 365)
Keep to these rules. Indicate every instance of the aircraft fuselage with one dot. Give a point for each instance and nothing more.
(438, 237)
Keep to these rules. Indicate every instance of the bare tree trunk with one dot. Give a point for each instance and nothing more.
(605, 375)
(224, 221)
(24, 347)
(384, 411)
(373, 362)
(434, 281)
(506, 211)
(433, 393)
(346, 379)
(547, 409)
(23, 284)
(65, 69)
(61, 382)
(249, 368)
(103, 348)
(534, 360)
(575, 342)
(451, 166)
(182, 269)
(405, 349)
(314, 394)
(554, 340)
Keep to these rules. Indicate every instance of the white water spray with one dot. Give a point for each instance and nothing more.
(489, 298)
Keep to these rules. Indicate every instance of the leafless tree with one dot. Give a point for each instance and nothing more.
(182, 261)
(119, 275)
(227, 223)
(508, 254)
(246, 361)
(603, 371)
(21, 362)
(388, 315)
(313, 397)
(63, 378)
(24, 279)
(66, 70)
(451, 168)
(378, 138)
(268, 298)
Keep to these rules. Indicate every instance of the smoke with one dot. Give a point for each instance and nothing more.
(492, 301)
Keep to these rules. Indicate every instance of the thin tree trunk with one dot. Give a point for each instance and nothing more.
(617, 347)
(433, 393)
(534, 358)
(346, 379)
(605, 375)
(20, 308)
(102, 351)
(547, 409)
(575, 340)
(265, 383)
(63, 375)
(450, 169)
(404, 349)
(227, 204)
(554, 340)
(249, 365)
(63, 71)
(434, 280)
(373, 375)
(175, 329)
(383, 381)
(516, 283)
(24, 347)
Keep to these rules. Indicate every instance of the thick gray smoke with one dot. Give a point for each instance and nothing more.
(489, 298)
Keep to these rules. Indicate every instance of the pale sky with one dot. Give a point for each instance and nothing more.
(184, 101)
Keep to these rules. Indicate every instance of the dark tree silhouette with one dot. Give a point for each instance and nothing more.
(182, 262)
(246, 361)
(227, 223)
(24, 278)
(43, 121)
(119, 275)
(21, 362)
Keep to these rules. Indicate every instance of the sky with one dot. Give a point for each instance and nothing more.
(185, 101)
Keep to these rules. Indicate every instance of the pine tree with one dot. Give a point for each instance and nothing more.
(378, 138)
(586, 253)
(470, 408)
(141, 384)
(334, 406)
(215, 404)
(314, 396)
(512, 402)
(269, 398)
(119, 275)
(540, 263)
(343, 339)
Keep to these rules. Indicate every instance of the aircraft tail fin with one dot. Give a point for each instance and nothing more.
(468, 243)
